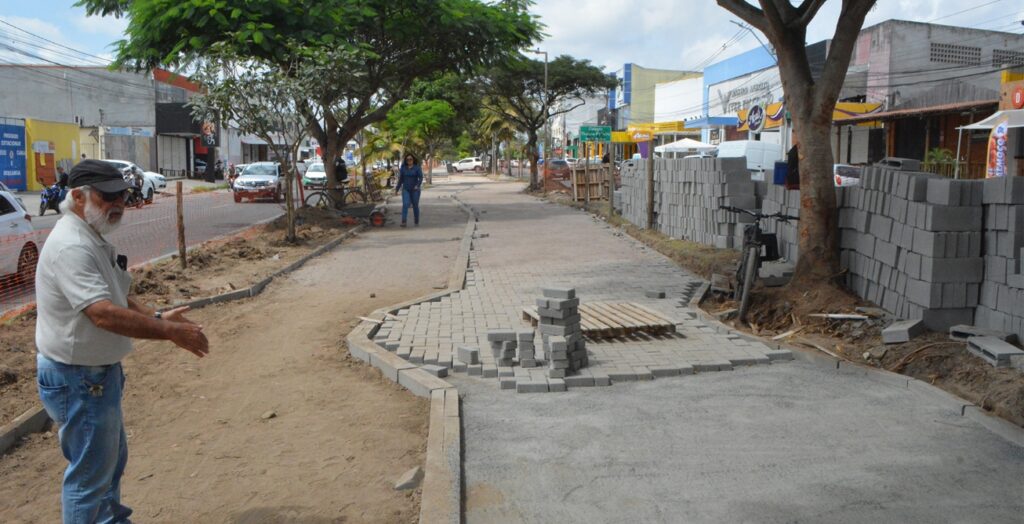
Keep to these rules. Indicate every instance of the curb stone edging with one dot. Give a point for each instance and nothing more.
(964, 408)
(441, 495)
(32, 420)
(35, 419)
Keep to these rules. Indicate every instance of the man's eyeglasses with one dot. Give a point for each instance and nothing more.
(112, 197)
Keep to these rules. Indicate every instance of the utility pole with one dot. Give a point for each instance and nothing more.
(547, 121)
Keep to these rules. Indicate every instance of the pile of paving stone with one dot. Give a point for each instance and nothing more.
(562, 337)
(527, 351)
(687, 196)
(503, 346)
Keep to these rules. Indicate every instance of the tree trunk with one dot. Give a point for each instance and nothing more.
(531, 154)
(819, 229)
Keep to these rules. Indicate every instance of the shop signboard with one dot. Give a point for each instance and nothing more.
(595, 133)
(995, 153)
(12, 153)
(759, 88)
(755, 119)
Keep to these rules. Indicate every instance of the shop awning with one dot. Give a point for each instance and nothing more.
(684, 145)
(919, 111)
(844, 113)
(713, 121)
(1015, 118)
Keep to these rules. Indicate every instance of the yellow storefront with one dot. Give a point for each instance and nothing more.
(47, 145)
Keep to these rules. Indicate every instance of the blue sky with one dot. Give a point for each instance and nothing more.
(674, 34)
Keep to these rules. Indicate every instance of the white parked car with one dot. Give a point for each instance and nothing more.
(15, 225)
(260, 180)
(846, 175)
(150, 181)
(469, 164)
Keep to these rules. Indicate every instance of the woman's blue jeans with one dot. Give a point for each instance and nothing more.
(85, 402)
(410, 198)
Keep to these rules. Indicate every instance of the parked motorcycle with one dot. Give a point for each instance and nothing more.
(134, 198)
(51, 198)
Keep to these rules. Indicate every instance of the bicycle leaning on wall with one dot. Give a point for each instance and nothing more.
(754, 242)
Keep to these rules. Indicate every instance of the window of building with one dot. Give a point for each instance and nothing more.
(1005, 57)
(955, 54)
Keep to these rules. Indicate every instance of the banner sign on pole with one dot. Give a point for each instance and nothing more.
(995, 154)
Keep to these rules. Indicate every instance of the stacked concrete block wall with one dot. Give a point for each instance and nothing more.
(1001, 300)
(688, 193)
(911, 242)
(778, 199)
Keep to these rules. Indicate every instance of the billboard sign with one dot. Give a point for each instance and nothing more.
(12, 154)
(596, 133)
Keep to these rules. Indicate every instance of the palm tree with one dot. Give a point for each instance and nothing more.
(499, 127)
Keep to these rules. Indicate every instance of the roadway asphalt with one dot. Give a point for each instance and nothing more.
(151, 232)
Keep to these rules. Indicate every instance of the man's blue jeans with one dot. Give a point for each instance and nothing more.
(410, 198)
(85, 401)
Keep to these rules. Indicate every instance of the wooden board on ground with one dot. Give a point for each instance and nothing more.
(613, 319)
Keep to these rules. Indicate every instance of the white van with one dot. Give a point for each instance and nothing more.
(761, 156)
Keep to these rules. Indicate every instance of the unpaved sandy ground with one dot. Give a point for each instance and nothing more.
(215, 267)
(200, 449)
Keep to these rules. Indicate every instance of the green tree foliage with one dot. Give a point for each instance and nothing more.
(516, 90)
(370, 52)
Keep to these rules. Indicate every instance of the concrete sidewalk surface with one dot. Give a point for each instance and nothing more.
(782, 442)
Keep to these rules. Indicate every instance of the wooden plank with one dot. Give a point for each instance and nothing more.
(620, 309)
(644, 315)
(615, 328)
(663, 324)
(627, 322)
(603, 329)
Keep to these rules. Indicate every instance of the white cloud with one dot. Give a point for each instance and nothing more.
(677, 34)
(106, 26)
(21, 37)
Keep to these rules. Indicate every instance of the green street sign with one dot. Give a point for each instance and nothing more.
(596, 133)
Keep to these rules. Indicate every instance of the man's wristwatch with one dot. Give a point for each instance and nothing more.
(158, 315)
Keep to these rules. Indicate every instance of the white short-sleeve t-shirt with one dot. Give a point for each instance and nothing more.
(78, 268)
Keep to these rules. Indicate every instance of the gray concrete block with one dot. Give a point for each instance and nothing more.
(476, 370)
(507, 383)
(963, 332)
(489, 371)
(902, 331)
(952, 269)
(556, 373)
(469, 355)
(563, 304)
(561, 293)
(579, 381)
(501, 335)
(665, 371)
(994, 351)
(942, 319)
(943, 191)
(953, 218)
(556, 385)
(526, 386)
(437, 371)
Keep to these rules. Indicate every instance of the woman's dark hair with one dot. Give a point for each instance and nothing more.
(415, 161)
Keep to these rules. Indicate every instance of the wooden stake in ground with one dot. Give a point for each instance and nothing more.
(586, 172)
(650, 182)
(181, 225)
(611, 180)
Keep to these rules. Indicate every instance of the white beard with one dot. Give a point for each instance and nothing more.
(99, 220)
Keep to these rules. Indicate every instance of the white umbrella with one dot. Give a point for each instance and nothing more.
(684, 145)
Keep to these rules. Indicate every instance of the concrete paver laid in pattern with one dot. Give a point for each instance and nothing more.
(522, 245)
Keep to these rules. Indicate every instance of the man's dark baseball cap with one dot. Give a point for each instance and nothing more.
(102, 176)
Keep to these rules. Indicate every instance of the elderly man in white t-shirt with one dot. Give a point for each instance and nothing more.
(84, 326)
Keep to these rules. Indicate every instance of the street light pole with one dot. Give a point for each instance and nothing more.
(547, 123)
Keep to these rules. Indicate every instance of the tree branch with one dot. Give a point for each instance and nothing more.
(746, 12)
(807, 11)
(840, 52)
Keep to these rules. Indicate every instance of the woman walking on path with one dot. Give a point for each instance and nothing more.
(410, 180)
